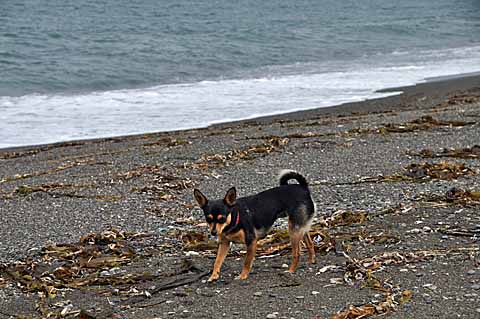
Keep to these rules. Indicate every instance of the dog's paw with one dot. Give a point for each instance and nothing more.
(242, 276)
(213, 277)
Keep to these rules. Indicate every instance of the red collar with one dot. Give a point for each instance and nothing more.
(237, 220)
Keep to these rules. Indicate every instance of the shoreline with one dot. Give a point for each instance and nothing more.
(434, 89)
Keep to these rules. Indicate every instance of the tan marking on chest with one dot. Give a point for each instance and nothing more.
(220, 227)
(237, 237)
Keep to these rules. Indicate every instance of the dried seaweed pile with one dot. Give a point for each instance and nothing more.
(462, 99)
(362, 276)
(362, 273)
(454, 196)
(269, 145)
(421, 172)
(75, 265)
(467, 152)
(60, 190)
(422, 124)
(64, 166)
(92, 262)
(98, 264)
(162, 186)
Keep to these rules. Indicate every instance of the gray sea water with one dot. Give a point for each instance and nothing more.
(84, 69)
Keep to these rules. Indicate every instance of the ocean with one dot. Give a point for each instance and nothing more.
(86, 69)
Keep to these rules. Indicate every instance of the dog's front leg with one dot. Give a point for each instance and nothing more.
(251, 251)
(221, 254)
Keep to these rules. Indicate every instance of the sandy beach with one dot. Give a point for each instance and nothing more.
(397, 230)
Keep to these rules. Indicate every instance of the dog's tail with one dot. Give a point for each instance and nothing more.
(286, 175)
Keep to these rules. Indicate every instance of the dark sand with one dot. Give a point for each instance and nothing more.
(54, 194)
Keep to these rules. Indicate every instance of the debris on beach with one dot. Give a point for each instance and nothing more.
(462, 98)
(346, 218)
(29, 189)
(360, 273)
(65, 166)
(269, 145)
(196, 241)
(466, 153)
(61, 190)
(95, 263)
(421, 124)
(421, 172)
(162, 186)
(442, 170)
(453, 196)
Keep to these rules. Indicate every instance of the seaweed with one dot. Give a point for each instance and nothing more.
(65, 166)
(421, 124)
(164, 185)
(52, 190)
(270, 145)
(466, 153)
(453, 196)
(95, 261)
(362, 271)
(420, 172)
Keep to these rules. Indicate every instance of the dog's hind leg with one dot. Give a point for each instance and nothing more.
(311, 247)
(296, 235)
(251, 251)
(221, 254)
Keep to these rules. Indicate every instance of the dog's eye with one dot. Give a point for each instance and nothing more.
(209, 219)
(221, 219)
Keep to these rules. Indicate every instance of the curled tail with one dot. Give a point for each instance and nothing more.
(286, 175)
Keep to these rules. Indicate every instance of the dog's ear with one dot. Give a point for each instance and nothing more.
(200, 198)
(231, 197)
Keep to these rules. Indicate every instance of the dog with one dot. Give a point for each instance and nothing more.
(248, 219)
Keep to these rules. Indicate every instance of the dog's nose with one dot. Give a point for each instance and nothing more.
(214, 232)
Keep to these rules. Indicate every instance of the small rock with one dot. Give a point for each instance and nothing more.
(271, 316)
(315, 292)
(300, 297)
(192, 253)
(471, 272)
(284, 266)
(258, 294)
(414, 231)
(476, 286)
(477, 310)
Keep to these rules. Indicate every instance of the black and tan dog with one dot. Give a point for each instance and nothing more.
(248, 219)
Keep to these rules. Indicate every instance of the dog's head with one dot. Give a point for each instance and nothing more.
(218, 213)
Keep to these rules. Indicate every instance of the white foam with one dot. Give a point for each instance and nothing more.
(37, 119)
